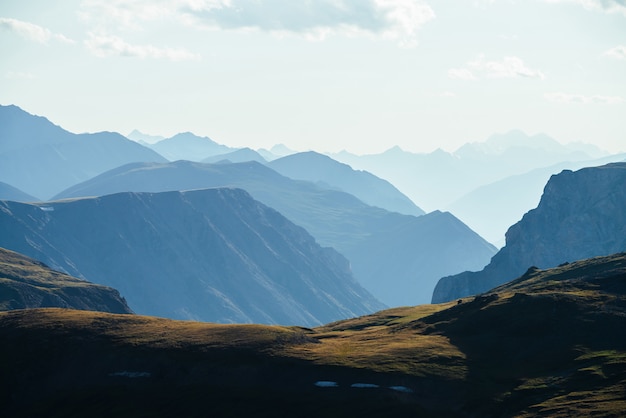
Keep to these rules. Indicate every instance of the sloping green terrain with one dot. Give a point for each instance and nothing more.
(550, 343)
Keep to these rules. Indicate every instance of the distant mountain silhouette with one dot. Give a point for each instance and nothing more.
(142, 138)
(491, 209)
(325, 171)
(27, 283)
(42, 159)
(437, 179)
(212, 255)
(187, 146)
(239, 156)
(336, 219)
(581, 214)
(277, 151)
(8, 192)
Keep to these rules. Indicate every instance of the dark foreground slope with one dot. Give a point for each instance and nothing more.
(27, 283)
(581, 214)
(548, 345)
(213, 255)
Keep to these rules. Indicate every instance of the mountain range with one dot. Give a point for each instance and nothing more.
(26, 283)
(437, 179)
(212, 255)
(42, 159)
(241, 155)
(547, 344)
(426, 248)
(187, 146)
(581, 214)
(326, 172)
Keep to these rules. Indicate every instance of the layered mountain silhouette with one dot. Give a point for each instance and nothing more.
(8, 192)
(42, 159)
(336, 219)
(27, 283)
(437, 179)
(212, 255)
(325, 171)
(239, 156)
(143, 138)
(581, 214)
(187, 146)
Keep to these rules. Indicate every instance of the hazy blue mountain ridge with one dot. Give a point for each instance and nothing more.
(327, 172)
(336, 219)
(437, 179)
(187, 146)
(238, 156)
(8, 192)
(213, 255)
(42, 159)
(581, 214)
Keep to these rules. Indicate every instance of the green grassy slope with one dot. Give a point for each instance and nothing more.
(550, 343)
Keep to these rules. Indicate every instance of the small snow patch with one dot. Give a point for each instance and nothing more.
(47, 208)
(326, 384)
(402, 389)
(364, 385)
(131, 375)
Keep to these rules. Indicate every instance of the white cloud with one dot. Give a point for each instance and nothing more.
(610, 6)
(619, 52)
(508, 67)
(583, 99)
(461, 74)
(31, 31)
(103, 46)
(398, 20)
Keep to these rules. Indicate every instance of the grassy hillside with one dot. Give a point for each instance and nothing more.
(28, 283)
(549, 343)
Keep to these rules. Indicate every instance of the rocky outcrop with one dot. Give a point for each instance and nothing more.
(28, 283)
(213, 255)
(581, 214)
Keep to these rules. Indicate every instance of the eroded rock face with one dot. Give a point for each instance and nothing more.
(213, 255)
(581, 214)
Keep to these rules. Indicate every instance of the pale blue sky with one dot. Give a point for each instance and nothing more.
(361, 75)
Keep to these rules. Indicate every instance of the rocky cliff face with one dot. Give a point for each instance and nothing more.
(28, 283)
(213, 255)
(581, 214)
